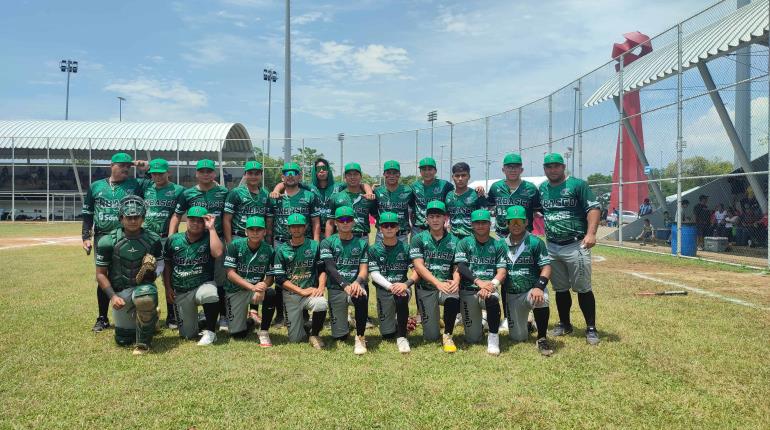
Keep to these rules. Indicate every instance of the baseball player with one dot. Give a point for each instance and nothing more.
(529, 269)
(247, 263)
(353, 196)
(345, 260)
(571, 218)
(244, 201)
(188, 274)
(161, 199)
(298, 269)
(512, 191)
(127, 277)
(481, 262)
(428, 189)
(388, 267)
(100, 214)
(395, 198)
(462, 201)
(432, 253)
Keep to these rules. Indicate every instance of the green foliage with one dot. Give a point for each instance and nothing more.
(693, 166)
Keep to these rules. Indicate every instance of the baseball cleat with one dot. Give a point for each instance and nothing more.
(360, 345)
(208, 338)
(561, 329)
(448, 343)
(224, 325)
(493, 344)
(101, 323)
(592, 336)
(544, 347)
(264, 339)
(504, 326)
(141, 349)
(316, 342)
(403, 345)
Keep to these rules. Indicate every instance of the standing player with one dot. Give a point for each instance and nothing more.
(571, 218)
(245, 201)
(100, 214)
(189, 274)
(353, 196)
(529, 269)
(119, 273)
(298, 269)
(425, 191)
(432, 253)
(161, 199)
(345, 259)
(388, 267)
(481, 261)
(395, 198)
(461, 202)
(247, 262)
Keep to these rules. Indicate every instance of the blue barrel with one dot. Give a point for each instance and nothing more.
(662, 233)
(689, 240)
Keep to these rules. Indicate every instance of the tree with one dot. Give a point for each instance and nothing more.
(602, 190)
(694, 166)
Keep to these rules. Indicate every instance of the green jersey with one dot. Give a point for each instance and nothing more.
(242, 204)
(103, 199)
(251, 265)
(437, 190)
(191, 262)
(304, 202)
(392, 262)
(347, 256)
(123, 255)
(160, 206)
(324, 196)
(300, 265)
(438, 255)
(213, 200)
(565, 207)
(483, 259)
(459, 209)
(502, 197)
(525, 260)
(362, 207)
(399, 202)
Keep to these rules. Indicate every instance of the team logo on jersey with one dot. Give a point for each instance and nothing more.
(436, 191)
(491, 248)
(201, 250)
(262, 258)
(308, 253)
(400, 256)
(132, 249)
(403, 196)
(451, 245)
(469, 200)
(565, 192)
(170, 193)
(355, 251)
(176, 248)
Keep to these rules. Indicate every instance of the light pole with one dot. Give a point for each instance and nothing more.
(568, 155)
(270, 76)
(120, 108)
(441, 158)
(432, 116)
(574, 126)
(451, 142)
(341, 138)
(287, 87)
(68, 66)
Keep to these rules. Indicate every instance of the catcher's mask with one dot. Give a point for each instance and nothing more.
(132, 206)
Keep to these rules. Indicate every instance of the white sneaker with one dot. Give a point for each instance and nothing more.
(264, 339)
(403, 345)
(208, 338)
(504, 326)
(493, 344)
(223, 324)
(360, 347)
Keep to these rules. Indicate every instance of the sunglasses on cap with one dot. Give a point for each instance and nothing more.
(516, 221)
(344, 219)
(290, 173)
(389, 225)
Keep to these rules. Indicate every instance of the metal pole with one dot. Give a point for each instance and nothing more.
(416, 149)
(269, 105)
(679, 140)
(13, 179)
(67, 105)
(90, 163)
(574, 129)
(451, 144)
(302, 159)
(74, 203)
(134, 157)
(431, 139)
(486, 151)
(580, 128)
(221, 164)
(620, 152)
(178, 165)
(519, 129)
(48, 180)
(342, 159)
(287, 88)
(379, 157)
(550, 123)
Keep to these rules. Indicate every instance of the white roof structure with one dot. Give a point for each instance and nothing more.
(748, 24)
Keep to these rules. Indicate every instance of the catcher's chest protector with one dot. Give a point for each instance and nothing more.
(127, 259)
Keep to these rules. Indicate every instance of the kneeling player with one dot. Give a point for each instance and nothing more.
(345, 261)
(481, 261)
(247, 262)
(432, 252)
(388, 267)
(529, 269)
(189, 274)
(121, 275)
(298, 269)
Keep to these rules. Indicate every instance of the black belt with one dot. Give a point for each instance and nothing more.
(569, 241)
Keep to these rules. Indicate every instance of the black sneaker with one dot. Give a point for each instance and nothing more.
(101, 324)
(171, 324)
(531, 328)
(544, 347)
(592, 336)
(561, 329)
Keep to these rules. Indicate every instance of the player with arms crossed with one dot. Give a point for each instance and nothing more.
(245, 201)
(353, 196)
(395, 198)
(462, 201)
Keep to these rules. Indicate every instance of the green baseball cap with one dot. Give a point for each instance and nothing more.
(252, 165)
(255, 221)
(132, 206)
(205, 164)
(388, 217)
(158, 165)
(480, 215)
(553, 158)
(512, 158)
(516, 212)
(352, 166)
(436, 205)
(121, 157)
(197, 212)
(427, 162)
(296, 219)
(343, 211)
(391, 165)
(288, 167)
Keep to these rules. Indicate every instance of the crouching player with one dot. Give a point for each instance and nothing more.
(388, 267)
(481, 261)
(298, 269)
(127, 277)
(189, 274)
(529, 269)
(247, 262)
(345, 261)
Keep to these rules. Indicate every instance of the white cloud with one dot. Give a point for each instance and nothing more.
(160, 100)
(310, 17)
(217, 48)
(155, 58)
(706, 136)
(362, 63)
(463, 24)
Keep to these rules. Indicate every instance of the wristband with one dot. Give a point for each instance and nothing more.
(542, 283)
(109, 292)
(409, 282)
(496, 282)
(361, 281)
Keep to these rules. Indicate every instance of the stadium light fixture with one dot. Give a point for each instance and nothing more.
(270, 76)
(432, 116)
(68, 66)
(120, 108)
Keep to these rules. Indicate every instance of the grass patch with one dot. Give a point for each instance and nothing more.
(668, 260)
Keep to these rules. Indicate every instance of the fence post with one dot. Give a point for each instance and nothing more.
(13, 179)
(679, 140)
(90, 163)
(134, 158)
(519, 130)
(768, 153)
(416, 152)
(221, 165)
(379, 158)
(620, 150)
(550, 123)
(580, 128)
(48, 179)
(486, 151)
(178, 166)
(451, 144)
(304, 162)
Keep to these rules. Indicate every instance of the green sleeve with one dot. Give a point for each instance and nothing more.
(587, 198)
(182, 204)
(372, 260)
(325, 249)
(501, 255)
(231, 255)
(315, 206)
(537, 204)
(157, 250)
(416, 248)
(88, 202)
(279, 264)
(168, 250)
(104, 251)
(365, 252)
(448, 188)
(144, 184)
(232, 202)
(461, 252)
(541, 254)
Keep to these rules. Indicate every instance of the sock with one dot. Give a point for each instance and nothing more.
(268, 308)
(493, 314)
(402, 315)
(541, 319)
(171, 312)
(587, 304)
(361, 305)
(278, 305)
(255, 307)
(211, 311)
(103, 301)
(563, 305)
(222, 300)
(318, 322)
(451, 308)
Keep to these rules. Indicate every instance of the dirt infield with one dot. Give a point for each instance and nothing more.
(24, 242)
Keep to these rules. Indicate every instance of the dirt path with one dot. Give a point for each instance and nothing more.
(25, 242)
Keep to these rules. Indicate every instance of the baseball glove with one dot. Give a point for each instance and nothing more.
(147, 271)
(411, 324)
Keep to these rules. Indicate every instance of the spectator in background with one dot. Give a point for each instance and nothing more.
(648, 233)
(687, 217)
(702, 218)
(228, 178)
(718, 225)
(645, 208)
(731, 221)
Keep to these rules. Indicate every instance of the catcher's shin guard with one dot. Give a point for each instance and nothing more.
(125, 336)
(146, 302)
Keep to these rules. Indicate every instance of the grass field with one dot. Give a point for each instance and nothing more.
(679, 362)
